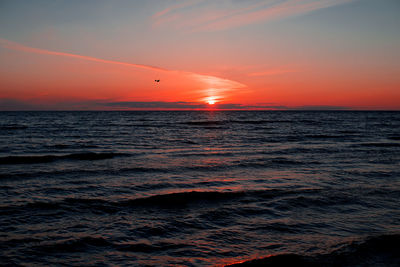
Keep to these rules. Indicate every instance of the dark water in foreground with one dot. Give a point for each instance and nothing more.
(198, 188)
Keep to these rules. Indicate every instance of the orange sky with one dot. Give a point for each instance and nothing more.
(248, 55)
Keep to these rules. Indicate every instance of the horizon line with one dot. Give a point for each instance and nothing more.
(128, 110)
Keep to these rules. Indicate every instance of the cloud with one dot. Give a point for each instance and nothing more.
(229, 106)
(175, 7)
(153, 105)
(13, 104)
(34, 104)
(215, 88)
(219, 15)
(19, 47)
(311, 108)
(211, 86)
(7, 104)
(268, 107)
(187, 105)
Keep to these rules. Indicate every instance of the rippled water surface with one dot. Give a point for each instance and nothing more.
(194, 188)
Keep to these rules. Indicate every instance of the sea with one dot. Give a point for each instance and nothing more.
(200, 188)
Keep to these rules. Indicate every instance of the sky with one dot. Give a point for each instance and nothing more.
(207, 54)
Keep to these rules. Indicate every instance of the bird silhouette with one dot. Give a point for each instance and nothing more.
(157, 81)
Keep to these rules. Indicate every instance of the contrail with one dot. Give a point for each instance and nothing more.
(216, 84)
(19, 47)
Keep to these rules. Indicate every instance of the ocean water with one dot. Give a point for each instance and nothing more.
(199, 188)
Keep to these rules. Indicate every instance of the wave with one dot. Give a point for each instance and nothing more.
(326, 136)
(380, 144)
(255, 122)
(373, 251)
(78, 173)
(71, 146)
(168, 200)
(87, 242)
(204, 123)
(150, 248)
(223, 122)
(51, 158)
(260, 163)
(72, 245)
(13, 127)
(279, 200)
(184, 198)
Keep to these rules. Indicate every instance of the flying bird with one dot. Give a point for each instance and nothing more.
(157, 81)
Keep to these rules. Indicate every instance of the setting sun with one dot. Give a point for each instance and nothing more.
(211, 102)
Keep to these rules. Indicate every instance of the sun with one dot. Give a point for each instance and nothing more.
(211, 100)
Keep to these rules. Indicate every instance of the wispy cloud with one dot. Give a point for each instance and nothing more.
(175, 7)
(219, 15)
(19, 47)
(210, 86)
(215, 89)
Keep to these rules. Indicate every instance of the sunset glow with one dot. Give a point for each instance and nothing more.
(199, 132)
(236, 54)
